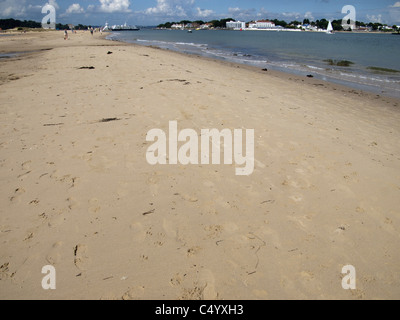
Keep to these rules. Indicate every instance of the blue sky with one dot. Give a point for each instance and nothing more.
(153, 12)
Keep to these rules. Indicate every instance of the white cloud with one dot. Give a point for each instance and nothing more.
(394, 12)
(292, 15)
(179, 8)
(111, 6)
(309, 15)
(375, 18)
(54, 4)
(243, 14)
(75, 8)
(204, 13)
(162, 7)
(12, 8)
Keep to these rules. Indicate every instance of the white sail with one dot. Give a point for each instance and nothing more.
(330, 28)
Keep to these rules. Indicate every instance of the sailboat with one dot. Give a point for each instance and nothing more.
(329, 30)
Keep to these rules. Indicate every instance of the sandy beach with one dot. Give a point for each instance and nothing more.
(77, 192)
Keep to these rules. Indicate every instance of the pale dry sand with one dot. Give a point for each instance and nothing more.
(79, 194)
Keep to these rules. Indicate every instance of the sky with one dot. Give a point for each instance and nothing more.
(154, 12)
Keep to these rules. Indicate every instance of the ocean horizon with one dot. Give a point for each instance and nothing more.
(365, 61)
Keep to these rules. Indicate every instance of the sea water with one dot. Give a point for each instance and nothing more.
(375, 58)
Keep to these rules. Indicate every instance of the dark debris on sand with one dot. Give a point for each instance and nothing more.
(105, 120)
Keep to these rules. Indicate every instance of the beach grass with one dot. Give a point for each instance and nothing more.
(384, 70)
(341, 63)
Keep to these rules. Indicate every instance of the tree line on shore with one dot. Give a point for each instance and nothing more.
(321, 24)
(6, 24)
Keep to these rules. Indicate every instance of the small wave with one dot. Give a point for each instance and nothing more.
(200, 45)
(315, 68)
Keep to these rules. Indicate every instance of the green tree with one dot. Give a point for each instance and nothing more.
(280, 23)
(185, 22)
(337, 25)
(295, 22)
(322, 24)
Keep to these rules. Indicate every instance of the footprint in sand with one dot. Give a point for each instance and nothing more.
(72, 203)
(203, 289)
(94, 205)
(260, 294)
(189, 198)
(81, 259)
(208, 184)
(139, 234)
(207, 281)
(271, 236)
(296, 197)
(193, 251)
(102, 163)
(213, 231)
(194, 293)
(54, 255)
(17, 194)
(152, 183)
(134, 293)
(224, 204)
(176, 280)
(170, 229)
(123, 190)
(57, 219)
(230, 227)
(26, 165)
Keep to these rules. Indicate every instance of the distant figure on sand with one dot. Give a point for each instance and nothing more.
(65, 35)
(91, 31)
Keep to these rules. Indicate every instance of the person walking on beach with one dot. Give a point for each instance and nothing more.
(65, 35)
(91, 31)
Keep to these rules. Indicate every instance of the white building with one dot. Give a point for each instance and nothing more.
(206, 26)
(177, 26)
(262, 24)
(236, 25)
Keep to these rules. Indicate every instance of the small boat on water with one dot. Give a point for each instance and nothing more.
(124, 27)
(329, 30)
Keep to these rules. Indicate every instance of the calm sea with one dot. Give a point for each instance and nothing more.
(375, 57)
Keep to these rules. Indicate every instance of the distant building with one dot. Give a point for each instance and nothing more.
(177, 26)
(261, 24)
(206, 26)
(236, 25)
(309, 27)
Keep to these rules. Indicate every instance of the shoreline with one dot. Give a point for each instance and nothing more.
(373, 88)
(334, 83)
(78, 194)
